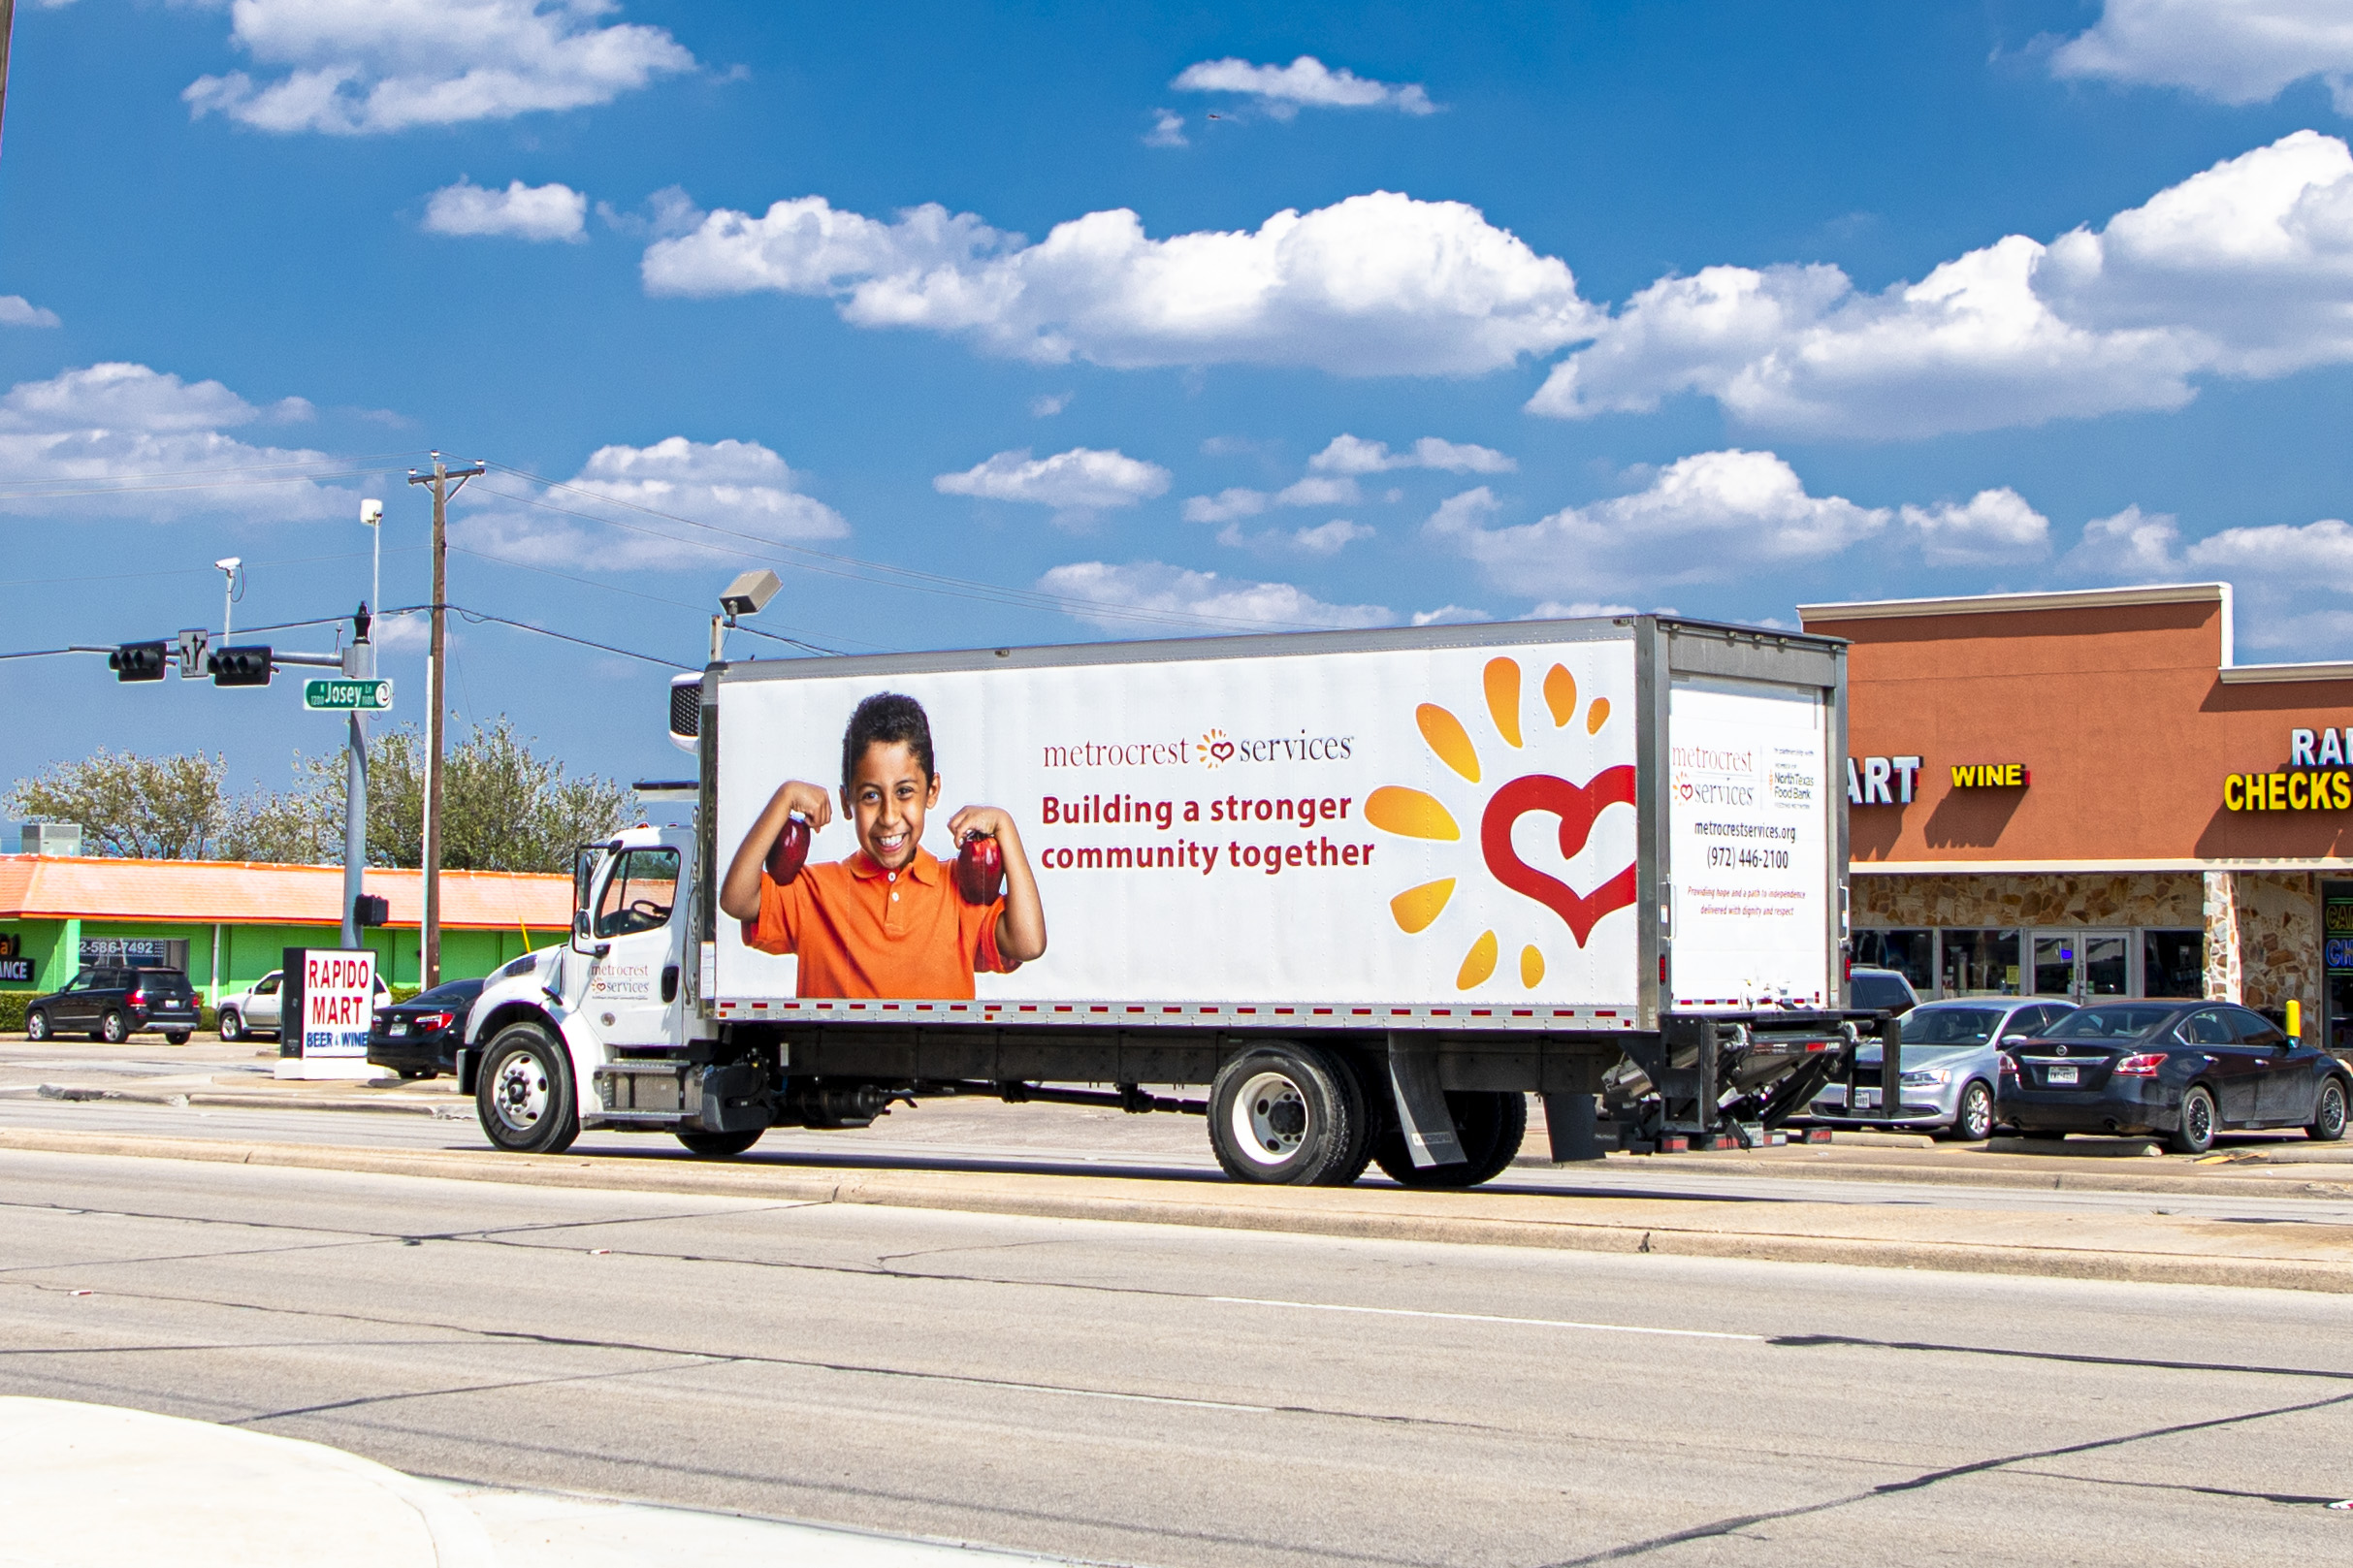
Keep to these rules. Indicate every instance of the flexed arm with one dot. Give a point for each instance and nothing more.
(739, 894)
(1021, 930)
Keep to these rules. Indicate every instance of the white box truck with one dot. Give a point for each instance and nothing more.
(1351, 895)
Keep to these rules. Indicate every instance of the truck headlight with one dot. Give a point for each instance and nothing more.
(1926, 1077)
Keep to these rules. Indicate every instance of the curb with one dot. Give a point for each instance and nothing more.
(1443, 1218)
(457, 1111)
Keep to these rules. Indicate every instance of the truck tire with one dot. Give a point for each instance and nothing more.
(232, 1027)
(719, 1145)
(1489, 1124)
(524, 1098)
(1288, 1115)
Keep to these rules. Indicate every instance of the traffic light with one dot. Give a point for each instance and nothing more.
(371, 910)
(231, 667)
(137, 661)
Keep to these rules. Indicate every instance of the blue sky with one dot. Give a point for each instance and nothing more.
(1132, 321)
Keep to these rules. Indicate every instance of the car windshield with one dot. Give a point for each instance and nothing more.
(2108, 1023)
(1950, 1026)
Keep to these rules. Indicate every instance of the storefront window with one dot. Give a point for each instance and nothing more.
(1910, 953)
(1981, 963)
(2337, 959)
(2172, 963)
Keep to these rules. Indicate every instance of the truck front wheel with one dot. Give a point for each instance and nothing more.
(1489, 1124)
(1288, 1115)
(525, 1096)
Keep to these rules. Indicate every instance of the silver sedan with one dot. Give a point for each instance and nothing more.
(1950, 1067)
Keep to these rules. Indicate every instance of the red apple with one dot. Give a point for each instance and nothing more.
(979, 868)
(791, 852)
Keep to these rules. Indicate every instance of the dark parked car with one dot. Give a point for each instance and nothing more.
(112, 1003)
(2187, 1070)
(420, 1037)
(1880, 989)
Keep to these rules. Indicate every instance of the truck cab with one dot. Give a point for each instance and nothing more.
(560, 1037)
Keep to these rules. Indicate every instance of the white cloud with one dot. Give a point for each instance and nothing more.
(520, 212)
(741, 487)
(357, 67)
(2131, 546)
(1582, 610)
(1233, 603)
(1353, 455)
(1168, 130)
(1283, 90)
(1993, 528)
(1314, 491)
(152, 446)
(2244, 270)
(1378, 284)
(16, 310)
(2237, 51)
(1450, 615)
(1046, 404)
(1329, 538)
(1706, 517)
(1076, 484)
(1226, 505)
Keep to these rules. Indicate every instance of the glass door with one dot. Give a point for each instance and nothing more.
(2083, 966)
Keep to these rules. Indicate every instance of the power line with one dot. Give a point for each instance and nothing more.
(640, 593)
(480, 616)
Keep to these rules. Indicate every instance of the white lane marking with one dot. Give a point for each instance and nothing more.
(1483, 1317)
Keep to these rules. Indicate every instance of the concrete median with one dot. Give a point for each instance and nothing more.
(2150, 1248)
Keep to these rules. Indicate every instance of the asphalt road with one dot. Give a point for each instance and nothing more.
(1059, 1139)
(1171, 1396)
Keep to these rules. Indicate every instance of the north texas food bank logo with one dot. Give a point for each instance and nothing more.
(1417, 815)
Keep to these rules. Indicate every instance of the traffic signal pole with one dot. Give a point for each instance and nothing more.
(435, 653)
(358, 663)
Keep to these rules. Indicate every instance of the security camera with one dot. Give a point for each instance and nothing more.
(750, 593)
(371, 512)
(229, 563)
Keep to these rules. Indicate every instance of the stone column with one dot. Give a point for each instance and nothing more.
(2223, 956)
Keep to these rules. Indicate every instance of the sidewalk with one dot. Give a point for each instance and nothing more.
(97, 1486)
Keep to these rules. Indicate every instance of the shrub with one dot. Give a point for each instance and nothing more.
(11, 1009)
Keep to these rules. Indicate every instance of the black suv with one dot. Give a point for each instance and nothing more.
(113, 1004)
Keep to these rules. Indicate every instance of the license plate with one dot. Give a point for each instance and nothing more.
(398, 1029)
(2058, 1075)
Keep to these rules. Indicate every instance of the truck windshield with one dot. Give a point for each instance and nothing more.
(639, 894)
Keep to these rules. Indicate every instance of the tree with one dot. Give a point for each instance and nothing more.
(504, 808)
(149, 808)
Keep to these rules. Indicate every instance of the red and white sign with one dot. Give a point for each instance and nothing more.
(338, 1001)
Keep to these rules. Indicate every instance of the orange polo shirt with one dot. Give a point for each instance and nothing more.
(860, 930)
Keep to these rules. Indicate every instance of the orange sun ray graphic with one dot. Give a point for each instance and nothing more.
(1416, 813)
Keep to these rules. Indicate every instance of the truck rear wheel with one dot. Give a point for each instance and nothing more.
(1288, 1115)
(1489, 1124)
(719, 1145)
(524, 1096)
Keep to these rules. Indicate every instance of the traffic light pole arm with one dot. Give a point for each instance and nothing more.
(324, 661)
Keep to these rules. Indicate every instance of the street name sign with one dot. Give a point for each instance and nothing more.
(347, 696)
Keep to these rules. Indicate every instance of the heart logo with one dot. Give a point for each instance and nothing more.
(1223, 751)
(1576, 805)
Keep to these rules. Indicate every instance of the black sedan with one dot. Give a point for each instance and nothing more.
(2187, 1070)
(419, 1038)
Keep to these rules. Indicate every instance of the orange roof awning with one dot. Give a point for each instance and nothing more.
(238, 892)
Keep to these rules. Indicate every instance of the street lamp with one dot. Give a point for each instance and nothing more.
(232, 569)
(372, 516)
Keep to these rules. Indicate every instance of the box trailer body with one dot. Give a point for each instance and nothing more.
(1393, 880)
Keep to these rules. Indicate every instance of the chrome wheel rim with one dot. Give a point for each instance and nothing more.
(2332, 1110)
(1976, 1113)
(1271, 1121)
(2200, 1118)
(39, 1028)
(520, 1091)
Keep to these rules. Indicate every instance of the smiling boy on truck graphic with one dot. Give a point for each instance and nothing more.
(887, 921)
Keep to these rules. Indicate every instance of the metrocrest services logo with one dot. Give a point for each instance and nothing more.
(1212, 748)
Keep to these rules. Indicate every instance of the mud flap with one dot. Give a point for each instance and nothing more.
(1421, 1106)
(1569, 1121)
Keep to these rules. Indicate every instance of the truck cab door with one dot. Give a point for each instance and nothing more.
(632, 981)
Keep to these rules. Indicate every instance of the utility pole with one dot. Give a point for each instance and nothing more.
(358, 663)
(7, 25)
(440, 482)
